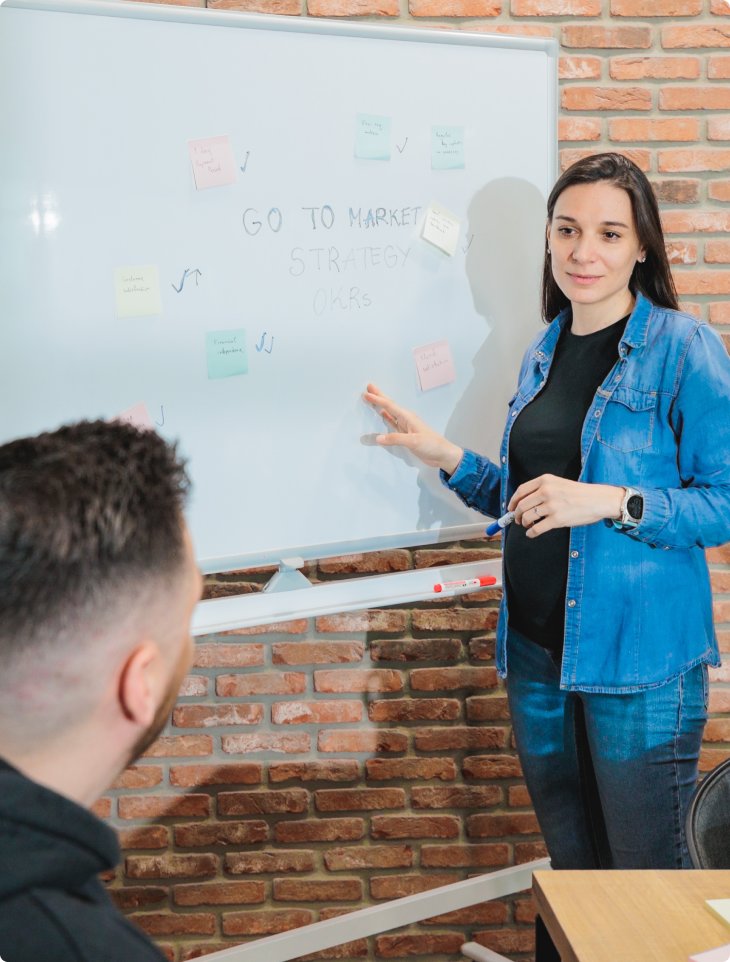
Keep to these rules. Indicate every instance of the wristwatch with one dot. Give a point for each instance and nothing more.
(632, 508)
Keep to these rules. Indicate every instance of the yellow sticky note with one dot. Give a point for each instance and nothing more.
(441, 228)
(137, 291)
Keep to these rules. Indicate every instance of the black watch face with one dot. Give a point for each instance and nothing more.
(635, 506)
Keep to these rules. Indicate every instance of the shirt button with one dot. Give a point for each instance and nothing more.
(596, 413)
(573, 554)
(571, 603)
(514, 414)
(504, 459)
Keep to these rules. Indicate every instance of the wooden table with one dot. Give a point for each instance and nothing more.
(647, 916)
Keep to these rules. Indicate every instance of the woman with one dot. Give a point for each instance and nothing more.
(616, 463)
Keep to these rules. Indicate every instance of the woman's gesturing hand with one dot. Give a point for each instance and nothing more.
(410, 432)
(550, 502)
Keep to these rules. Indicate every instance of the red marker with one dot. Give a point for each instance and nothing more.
(468, 583)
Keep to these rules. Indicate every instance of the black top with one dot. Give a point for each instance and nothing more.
(545, 439)
(52, 904)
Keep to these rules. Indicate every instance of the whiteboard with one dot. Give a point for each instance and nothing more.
(310, 257)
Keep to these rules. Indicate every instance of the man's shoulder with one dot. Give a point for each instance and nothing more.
(66, 927)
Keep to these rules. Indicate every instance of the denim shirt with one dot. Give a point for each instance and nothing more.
(638, 607)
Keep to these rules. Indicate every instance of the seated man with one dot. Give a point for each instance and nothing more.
(97, 586)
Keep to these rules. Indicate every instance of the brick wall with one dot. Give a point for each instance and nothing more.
(314, 768)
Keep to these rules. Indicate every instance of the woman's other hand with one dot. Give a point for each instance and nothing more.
(409, 431)
(550, 502)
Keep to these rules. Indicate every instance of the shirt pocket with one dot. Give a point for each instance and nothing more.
(628, 420)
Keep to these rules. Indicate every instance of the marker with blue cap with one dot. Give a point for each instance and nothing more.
(501, 523)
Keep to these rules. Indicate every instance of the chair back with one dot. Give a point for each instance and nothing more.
(708, 820)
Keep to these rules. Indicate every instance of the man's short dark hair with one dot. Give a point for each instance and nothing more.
(87, 510)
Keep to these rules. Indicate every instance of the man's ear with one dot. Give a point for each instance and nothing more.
(137, 688)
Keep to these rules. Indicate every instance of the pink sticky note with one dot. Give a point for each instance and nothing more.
(434, 364)
(212, 160)
(138, 415)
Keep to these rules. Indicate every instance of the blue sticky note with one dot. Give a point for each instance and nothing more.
(447, 148)
(226, 353)
(372, 137)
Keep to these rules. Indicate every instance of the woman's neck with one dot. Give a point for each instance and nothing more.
(589, 318)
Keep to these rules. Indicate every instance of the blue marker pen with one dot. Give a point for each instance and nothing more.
(501, 523)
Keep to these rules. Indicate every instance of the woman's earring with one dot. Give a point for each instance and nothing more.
(642, 259)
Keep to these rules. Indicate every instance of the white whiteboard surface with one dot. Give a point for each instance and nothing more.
(98, 102)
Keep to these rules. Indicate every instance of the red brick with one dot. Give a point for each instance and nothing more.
(194, 686)
(170, 866)
(214, 716)
(406, 944)
(454, 619)
(687, 159)
(501, 826)
(492, 766)
(192, 923)
(260, 863)
(719, 555)
(718, 128)
(662, 128)
(529, 852)
(264, 683)
(399, 886)
(455, 738)
(144, 836)
(359, 799)
(456, 796)
(298, 627)
(315, 712)
(221, 833)
(348, 950)
(487, 708)
(654, 68)
(507, 940)
(371, 562)
(717, 730)
(719, 8)
(409, 769)
(378, 620)
(176, 746)
(488, 913)
(220, 893)
(136, 897)
(450, 679)
(309, 890)
(333, 770)
(367, 857)
(357, 680)
(488, 855)
(718, 68)
(580, 68)
(642, 158)
(102, 808)
(420, 649)
(414, 709)
(656, 8)
(317, 653)
(374, 740)
(290, 744)
(719, 700)
(691, 221)
(605, 98)
(482, 648)
(555, 8)
(437, 557)
(265, 923)
(518, 796)
(454, 8)
(415, 826)
(709, 35)
(717, 252)
(324, 830)
(515, 29)
(579, 128)
(702, 282)
(681, 252)
(161, 806)
(694, 98)
(243, 773)
(606, 37)
(268, 802)
(282, 7)
(139, 776)
(228, 656)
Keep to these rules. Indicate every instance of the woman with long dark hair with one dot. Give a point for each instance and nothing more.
(616, 463)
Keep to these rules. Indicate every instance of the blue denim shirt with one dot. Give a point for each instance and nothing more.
(638, 605)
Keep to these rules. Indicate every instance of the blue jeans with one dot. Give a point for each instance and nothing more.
(610, 775)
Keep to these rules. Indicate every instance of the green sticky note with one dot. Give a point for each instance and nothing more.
(226, 353)
(447, 148)
(372, 137)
